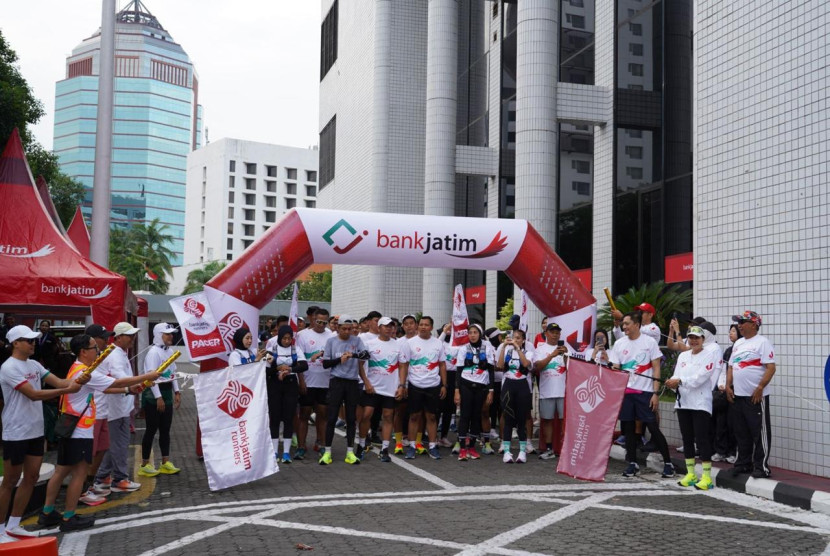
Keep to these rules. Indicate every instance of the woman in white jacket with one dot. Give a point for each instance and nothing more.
(693, 379)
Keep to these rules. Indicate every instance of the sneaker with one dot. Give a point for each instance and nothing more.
(456, 448)
(359, 451)
(49, 520)
(521, 457)
(445, 443)
(101, 489)
(731, 459)
(325, 459)
(508, 457)
(679, 449)
(21, 533)
(300, 453)
(398, 448)
(547, 454)
(420, 448)
(668, 471)
(125, 485)
(168, 468)
(488, 449)
(352, 458)
(718, 457)
(705, 483)
(91, 499)
(384, 456)
(689, 479)
(462, 454)
(148, 470)
(620, 440)
(286, 457)
(4, 538)
(529, 449)
(501, 450)
(760, 474)
(631, 470)
(77, 523)
(433, 453)
(472, 453)
(410, 452)
(740, 469)
(340, 424)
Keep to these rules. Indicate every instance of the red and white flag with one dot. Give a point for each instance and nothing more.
(149, 274)
(200, 331)
(460, 321)
(233, 416)
(292, 315)
(523, 310)
(593, 396)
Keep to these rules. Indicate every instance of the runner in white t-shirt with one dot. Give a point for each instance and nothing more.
(23, 441)
(475, 376)
(551, 361)
(410, 329)
(314, 383)
(515, 360)
(648, 327)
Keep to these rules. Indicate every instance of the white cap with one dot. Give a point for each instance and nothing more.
(20, 332)
(164, 328)
(384, 321)
(346, 319)
(124, 328)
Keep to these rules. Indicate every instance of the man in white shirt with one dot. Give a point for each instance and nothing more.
(649, 327)
(314, 384)
(750, 371)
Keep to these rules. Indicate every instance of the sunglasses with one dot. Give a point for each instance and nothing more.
(323, 322)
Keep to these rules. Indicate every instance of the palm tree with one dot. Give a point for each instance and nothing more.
(142, 247)
(667, 301)
(196, 279)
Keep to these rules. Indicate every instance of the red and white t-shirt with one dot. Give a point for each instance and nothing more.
(424, 363)
(383, 365)
(310, 343)
(651, 330)
(635, 357)
(749, 357)
(552, 377)
(22, 417)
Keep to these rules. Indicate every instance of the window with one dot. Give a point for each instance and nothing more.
(581, 127)
(290, 203)
(581, 187)
(271, 186)
(575, 21)
(581, 145)
(233, 166)
(636, 49)
(250, 184)
(271, 202)
(271, 171)
(250, 199)
(250, 168)
(328, 138)
(230, 196)
(290, 188)
(634, 133)
(635, 69)
(248, 230)
(311, 175)
(229, 256)
(634, 152)
(230, 244)
(230, 212)
(311, 204)
(636, 29)
(230, 227)
(328, 41)
(249, 214)
(291, 173)
(581, 166)
(310, 191)
(635, 87)
(577, 3)
(246, 243)
(634, 172)
(231, 182)
(270, 216)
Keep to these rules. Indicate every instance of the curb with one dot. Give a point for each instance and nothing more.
(777, 491)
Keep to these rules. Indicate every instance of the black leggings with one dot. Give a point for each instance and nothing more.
(156, 421)
(694, 428)
(342, 390)
(473, 396)
(515, 406)
(282, 405)
(448, 405)
(631, 440)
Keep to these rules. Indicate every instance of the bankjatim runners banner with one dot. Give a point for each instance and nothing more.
(460, 320)
(233, 416)
(200, 331)
(593, 396)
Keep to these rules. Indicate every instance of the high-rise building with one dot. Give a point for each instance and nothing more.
(157, 121)
(572, 114)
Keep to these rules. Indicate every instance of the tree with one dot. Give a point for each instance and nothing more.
(140, 250)
(196, 279)
(317, 287)
(503, 322)
(18, 106)
(66, 192)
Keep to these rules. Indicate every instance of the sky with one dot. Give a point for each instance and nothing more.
(257, 60)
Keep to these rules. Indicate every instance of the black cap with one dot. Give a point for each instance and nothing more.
(706, 325)
(97, 331)
(553, 326)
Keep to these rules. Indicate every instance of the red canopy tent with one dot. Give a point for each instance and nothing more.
(46, 198)
(40, 270)
(78, 233)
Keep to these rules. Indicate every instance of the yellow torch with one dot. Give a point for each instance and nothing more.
(99, 359)
(163, 366)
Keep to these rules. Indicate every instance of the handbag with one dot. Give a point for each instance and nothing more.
(66, 423)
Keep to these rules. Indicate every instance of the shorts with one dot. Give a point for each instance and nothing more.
(101, 436)
(17, 450)
(550, 407)
(635, 407)
(378, 401)
(74, 450)
(314, 397)
(424, 399)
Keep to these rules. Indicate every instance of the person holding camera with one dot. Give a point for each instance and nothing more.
(515, 361)
(551, 362)
(282, 380)
(344, 355)
(474, 387)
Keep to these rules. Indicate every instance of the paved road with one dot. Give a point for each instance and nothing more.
(435, 507)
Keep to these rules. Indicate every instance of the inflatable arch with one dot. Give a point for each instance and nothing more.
(306, 236)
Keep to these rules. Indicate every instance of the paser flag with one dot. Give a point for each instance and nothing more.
(460, 321)
(593, 396)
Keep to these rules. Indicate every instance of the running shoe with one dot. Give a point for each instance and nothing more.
(547, 454)
(49, 520)
(410, 452)
(705, 483)
(718, 457)
(472, 453)
(125, 485)
(148, 470)
(420, 448)
(689, 479)
(521, 457)
(286, 457)
(167, 468)
(668, 471)
(340, 424)
(433, 453)
(529, 448)
(760, 474)
(384, 456)
(351, 458)
(501, 449)
(620, 440)
(631, 470)
(488, 449)
(102, 489)
(91, 499)
(732, 459)
(456, 448)
(445, 443)
(4, 538)
(398, 448)
(462, 454)
(76, 523)
(508, 457)
(325, 459)
(300, 453)
(358, 452)
(21, 533)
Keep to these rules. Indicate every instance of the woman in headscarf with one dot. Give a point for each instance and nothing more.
(474, 387)
(282, 381)
(243, 354)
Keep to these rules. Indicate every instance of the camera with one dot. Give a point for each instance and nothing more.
(363, 355)
(560, 343)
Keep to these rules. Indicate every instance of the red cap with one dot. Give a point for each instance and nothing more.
(646, 307)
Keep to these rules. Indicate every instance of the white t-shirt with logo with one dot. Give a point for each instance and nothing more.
(470, 366)
(367, 337)
(22, 417)
(749, 357)
(651, 330)
(635, 357)
(116, 365)
(552, 377)
(451, 354)
(383, 365)
(512, 364)
(425, 356)
(310, 342)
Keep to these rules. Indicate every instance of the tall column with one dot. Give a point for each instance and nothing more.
(537, 62)
(101, 196)
(439, 166)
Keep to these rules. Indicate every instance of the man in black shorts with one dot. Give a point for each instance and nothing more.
(314, 383)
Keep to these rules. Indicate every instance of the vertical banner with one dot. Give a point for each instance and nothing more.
(523, 302)
(578, 327)
(233, 416)
(593, 396)
(292, 315)
(460, 321)
(198, 325)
